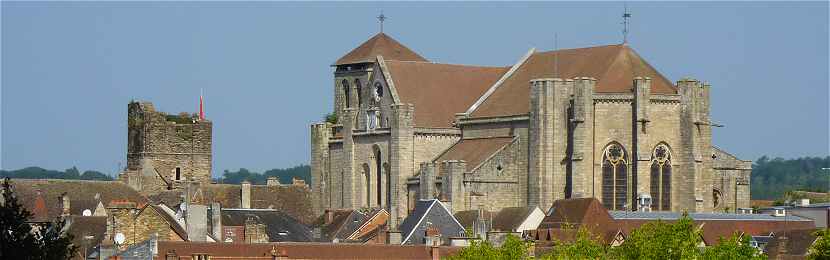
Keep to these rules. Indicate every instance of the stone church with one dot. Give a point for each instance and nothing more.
(588, 122)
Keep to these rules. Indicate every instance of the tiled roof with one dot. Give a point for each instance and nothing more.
(342, 224)
(429, 214)
(373, 222)
(290, 250)
(439, 91)
(509, 219)
(279, 226)
(614, 67)
(467, 218)
(82, 194)
(293, 200)
(474, 151)
(380, 44)
(81, 227)
(587, 212)
(798, 244)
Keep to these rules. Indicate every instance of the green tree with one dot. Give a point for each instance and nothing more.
(735, 247)
(19, 240)
(584, 246)
(821, 248)
(662, 240)
(513, 248)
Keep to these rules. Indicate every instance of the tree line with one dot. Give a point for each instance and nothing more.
(773, 178)
(285, 175)
(68, 174)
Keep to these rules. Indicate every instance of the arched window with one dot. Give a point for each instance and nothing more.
(346, 93)
(614, 177)
(359, 92)
(661, 177)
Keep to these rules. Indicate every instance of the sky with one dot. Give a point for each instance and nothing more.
(70, 68)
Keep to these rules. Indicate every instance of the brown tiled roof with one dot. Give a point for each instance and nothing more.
(467, 218)
(383, 45)
(474, 151)
(439, 91)
(614, 67)
(82, 226)
(292, 200)
(586, 212)
(81, 194)
(509, 219)
(292, 250)
(798, 244)
(374, 221)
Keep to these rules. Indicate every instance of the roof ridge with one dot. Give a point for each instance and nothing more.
(451, 64)
(582, 48)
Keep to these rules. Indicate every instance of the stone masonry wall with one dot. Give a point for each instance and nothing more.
(186, 144)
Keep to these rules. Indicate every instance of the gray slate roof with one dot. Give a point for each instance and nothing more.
(426, 213)
(280, 226)
(699, 216)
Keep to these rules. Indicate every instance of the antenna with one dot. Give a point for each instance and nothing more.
(381, 18)
(626, 15)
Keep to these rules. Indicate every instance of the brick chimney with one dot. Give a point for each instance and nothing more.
(216, 220)
(246, 195)
(432, 236)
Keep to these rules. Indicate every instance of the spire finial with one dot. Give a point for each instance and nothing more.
(381, 18)
(626, 15)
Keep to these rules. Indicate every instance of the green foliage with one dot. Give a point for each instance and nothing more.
(40, 173)
(584, 246)
(18, 241)
(821, 248)
(772, 178)
(735, 247)
(513, 248)
(330, 118)
(662, 240)
(285, 175)
(181, 118)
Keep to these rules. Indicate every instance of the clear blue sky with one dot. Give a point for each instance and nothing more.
(69, 69)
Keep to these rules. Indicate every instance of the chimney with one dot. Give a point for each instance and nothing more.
(435, 253)
(432, 236)
(272, 181)
(65, 203)
(246, 194)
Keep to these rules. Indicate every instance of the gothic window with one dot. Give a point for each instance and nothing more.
(346, 92)
(359, 92)
(661, 177)
(614, 177)
(378, 91)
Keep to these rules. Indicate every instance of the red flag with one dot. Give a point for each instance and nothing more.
(201, 107)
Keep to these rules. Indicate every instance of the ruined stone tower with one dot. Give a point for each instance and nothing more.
(164, 151)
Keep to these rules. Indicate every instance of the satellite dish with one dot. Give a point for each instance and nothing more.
(119, 238)
(87, 213)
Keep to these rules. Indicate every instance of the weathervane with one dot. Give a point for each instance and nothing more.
(381, 18)
(626, 15)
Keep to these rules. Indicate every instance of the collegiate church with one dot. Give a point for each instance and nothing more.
(588, 122)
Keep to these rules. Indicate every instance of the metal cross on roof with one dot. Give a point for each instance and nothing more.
(626, 15)
(381, 18)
